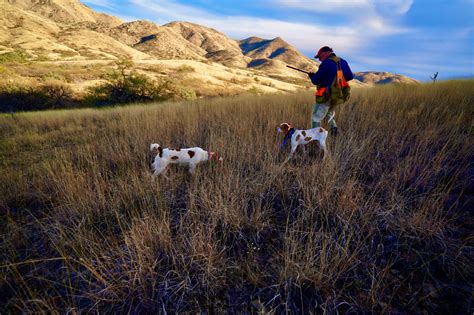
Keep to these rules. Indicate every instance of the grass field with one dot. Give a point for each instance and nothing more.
(384, 225)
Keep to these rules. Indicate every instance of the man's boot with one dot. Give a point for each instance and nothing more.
(333, 131)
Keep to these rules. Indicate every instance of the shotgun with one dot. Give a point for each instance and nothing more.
(300, 70)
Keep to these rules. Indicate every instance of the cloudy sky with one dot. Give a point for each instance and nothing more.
(411, 37)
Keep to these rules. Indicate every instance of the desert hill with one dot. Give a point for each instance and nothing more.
(373, 77)
(33, 28)
(65, 11)
(276, 49)
(218, 46)
(59, 37)
(273, 55)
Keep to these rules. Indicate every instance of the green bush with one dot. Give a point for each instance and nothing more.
(21, 98)
(255, 91)
(187, 94)
(59, 95)
(126, 85)
(185, 69)
(17, 56)
(24, 98)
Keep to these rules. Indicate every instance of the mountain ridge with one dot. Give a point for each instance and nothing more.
(58, 31)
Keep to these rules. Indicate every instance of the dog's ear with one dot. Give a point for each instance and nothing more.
(155, 146)
(285, 127)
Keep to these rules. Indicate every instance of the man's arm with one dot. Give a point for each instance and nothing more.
(317, 77)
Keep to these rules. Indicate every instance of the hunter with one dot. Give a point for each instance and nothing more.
(332, 88)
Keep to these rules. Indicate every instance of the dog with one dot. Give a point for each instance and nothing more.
(302, 138)
(190, 157)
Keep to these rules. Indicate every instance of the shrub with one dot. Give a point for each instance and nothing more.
(158, 68)
(126, 85)
(17, 56)
(185, 69)
(14, 97)
(21, 98)
(59, 95)
(268, 83)
(187, 94)
(255, 90)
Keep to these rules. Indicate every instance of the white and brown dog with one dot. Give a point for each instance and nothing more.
(190, 157)
(302, 138)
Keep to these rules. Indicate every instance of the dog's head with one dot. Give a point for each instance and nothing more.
(284, 128)
(155, 150)
(215, 157)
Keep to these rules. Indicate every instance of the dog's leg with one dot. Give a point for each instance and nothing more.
(160, 170)
(303, 148)
(322, 145)
(192, 168)
(293, 149)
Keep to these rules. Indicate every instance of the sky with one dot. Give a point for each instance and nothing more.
(412, 37)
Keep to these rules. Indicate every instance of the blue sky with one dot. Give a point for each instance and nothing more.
(411, 37)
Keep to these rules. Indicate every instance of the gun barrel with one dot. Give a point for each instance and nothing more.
(297, 69)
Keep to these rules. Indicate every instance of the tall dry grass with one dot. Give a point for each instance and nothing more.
(384, 225)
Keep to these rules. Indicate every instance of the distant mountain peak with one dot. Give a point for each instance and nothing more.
(65, 11)
(380, 77)
(265, 51)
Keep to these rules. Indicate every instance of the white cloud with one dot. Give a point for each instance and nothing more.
(377, 17)
(169, 10)
(305, 36)
(347, 7)
(393, 6)
(337, 6)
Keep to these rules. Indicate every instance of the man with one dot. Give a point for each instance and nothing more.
(331, 80)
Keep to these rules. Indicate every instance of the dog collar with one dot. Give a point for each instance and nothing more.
(211, 158)
(287, 137)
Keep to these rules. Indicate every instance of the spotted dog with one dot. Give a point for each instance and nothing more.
(302, 138)
(189, 156)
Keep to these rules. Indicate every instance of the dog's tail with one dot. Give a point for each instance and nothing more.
(156, 146)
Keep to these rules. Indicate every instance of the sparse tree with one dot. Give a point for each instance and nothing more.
(125, 85)
(434, 77)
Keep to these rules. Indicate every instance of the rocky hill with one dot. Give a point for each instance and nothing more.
(276, 49)
(217, 46)
(373, 77)
(272, 55)
(68, 27)
(68, 33)
(65, 11)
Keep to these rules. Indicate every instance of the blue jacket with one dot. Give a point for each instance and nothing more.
(327, 72)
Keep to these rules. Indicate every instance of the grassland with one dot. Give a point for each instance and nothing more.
(384, 225)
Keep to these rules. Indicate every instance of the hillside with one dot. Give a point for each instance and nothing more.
(218, 47)
(67, 42)
(276, 49)
(273, 56)
(64, 11)
(373, 77)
